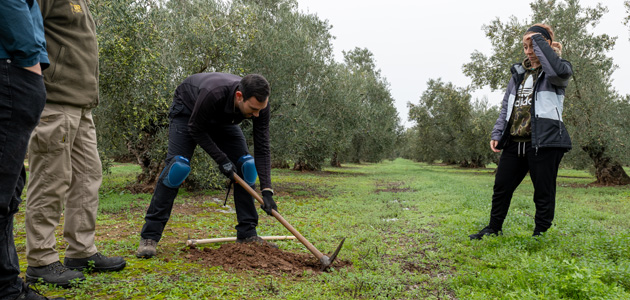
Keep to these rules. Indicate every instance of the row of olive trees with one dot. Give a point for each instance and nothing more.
(595, 114)
(319, 107)
(450, 127)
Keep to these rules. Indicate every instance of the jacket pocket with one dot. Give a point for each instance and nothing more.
(57, 63)
(551, 133)
(175, 109)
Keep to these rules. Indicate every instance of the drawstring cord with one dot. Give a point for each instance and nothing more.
(521, 153)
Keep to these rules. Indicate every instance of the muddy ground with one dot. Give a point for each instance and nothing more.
(257, 257)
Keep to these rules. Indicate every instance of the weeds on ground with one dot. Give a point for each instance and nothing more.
(406, 225)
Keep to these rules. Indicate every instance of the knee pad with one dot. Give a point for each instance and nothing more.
(176, 172)
(247, 168)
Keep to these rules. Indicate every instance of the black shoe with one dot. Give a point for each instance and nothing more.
(29, 293)
(484, 232)
(538, 234)
(54, 273)
(97, 262)
(256, 239)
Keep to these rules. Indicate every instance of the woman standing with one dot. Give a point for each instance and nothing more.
(530, 130)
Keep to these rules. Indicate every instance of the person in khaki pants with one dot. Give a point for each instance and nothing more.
(65, 169)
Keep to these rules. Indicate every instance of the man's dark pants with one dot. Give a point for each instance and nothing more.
(22, 99)
(230, 139)
(542, 166)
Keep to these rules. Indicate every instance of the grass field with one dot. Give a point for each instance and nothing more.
(407, 227)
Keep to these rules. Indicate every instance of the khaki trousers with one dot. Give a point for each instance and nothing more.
(65, 175)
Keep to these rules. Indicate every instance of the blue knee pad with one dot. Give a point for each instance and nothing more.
(247, 167)
(176, 172)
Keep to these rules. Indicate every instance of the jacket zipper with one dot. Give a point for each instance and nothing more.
(559, 123)
(535, 114)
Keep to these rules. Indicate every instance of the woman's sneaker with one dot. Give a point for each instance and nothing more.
(484, 232)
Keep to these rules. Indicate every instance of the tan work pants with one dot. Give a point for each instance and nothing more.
(65, 175)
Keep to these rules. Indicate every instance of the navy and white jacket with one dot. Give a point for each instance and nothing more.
(547, 127)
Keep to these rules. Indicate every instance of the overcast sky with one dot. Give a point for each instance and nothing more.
(414, 41)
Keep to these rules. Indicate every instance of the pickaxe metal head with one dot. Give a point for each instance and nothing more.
(328, 261)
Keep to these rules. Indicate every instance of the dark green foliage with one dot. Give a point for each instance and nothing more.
(376, 124)
(450, 127)
(319, 107)
(134, 88)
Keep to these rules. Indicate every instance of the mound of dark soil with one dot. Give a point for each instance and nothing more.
(257, 257)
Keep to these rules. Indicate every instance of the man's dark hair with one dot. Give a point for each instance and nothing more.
(254, 85)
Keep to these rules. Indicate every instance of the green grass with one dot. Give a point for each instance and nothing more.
(406, 225)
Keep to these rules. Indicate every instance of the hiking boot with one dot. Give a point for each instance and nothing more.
(147, 248)
(97, 262)
(256, 239)
(484, 232)
(55, 273)
(29, 293)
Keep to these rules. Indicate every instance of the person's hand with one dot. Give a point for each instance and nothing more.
(493, 146)
(37, 69)
(269, 204)
(227, 168)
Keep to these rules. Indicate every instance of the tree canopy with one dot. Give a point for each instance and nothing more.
(450, 127)
(320, 109)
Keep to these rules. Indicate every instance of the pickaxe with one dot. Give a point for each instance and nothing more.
(323, 259)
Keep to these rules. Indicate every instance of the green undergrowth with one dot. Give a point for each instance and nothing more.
(406, 226)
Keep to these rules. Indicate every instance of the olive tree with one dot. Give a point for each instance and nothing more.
(378, 126)
(134, 85)
(450, 127)
(146, 49)
(293, 51)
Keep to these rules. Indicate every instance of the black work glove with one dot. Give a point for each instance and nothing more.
(227, 168)
(269, 203)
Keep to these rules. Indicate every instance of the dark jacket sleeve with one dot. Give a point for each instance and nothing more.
(19, 31)
(198, 125)
(262, 152)
(557, 70)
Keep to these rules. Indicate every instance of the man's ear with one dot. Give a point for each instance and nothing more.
(239, 96)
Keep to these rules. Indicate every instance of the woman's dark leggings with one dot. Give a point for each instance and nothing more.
(516, 160)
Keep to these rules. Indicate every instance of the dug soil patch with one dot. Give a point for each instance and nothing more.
(258, 258)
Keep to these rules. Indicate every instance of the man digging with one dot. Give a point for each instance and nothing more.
(206, 111)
